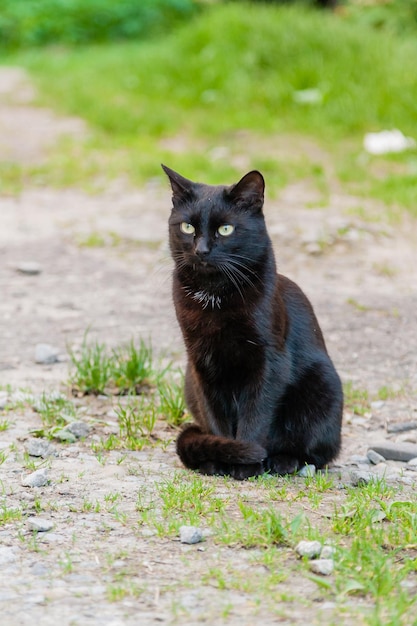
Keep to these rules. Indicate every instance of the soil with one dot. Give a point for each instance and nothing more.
(104, 266)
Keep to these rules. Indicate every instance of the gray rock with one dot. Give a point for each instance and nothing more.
(190, 534)
(407, 480)
(36, 479)
(39, 524)
(396, 451)
(30, 268)
(413, 462)
(324, 567)
(360, 477)
(328, 552)
(39, 448)
(375, 457)
(7, 555)
(46, 354)
(307, 471)
(80, 430)
(358, 459)
(65, 435)
(402, 427)
(310, 549)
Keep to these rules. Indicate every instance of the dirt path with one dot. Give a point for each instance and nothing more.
(361, 277)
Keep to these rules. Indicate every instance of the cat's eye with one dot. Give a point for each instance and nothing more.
(188, 229)
(225, 230)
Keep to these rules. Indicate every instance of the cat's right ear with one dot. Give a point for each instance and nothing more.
(249, 191)
(182, 188)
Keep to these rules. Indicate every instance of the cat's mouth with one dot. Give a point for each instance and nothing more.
(204, 267)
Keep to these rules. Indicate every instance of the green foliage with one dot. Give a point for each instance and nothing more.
(26, 23)
(290, 70)
(91, 368)
(56, 413)
(172, 401)
(356, 400)
(133, 367)
(127, 369)
(258, 528)
(394, 16)
(137, 419)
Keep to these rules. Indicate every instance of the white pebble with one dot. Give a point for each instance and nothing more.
(322, 566)
(190, 534)
(45, 353)
(31, 268)
(36, 479)
(310, 549)
(39, 524)
(307, 471)
(328, 552)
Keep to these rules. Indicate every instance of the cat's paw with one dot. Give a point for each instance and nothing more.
(239, 472)
(242, 472)
(281, 464)
(211, 468)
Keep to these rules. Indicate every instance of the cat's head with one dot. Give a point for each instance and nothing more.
(218, 231)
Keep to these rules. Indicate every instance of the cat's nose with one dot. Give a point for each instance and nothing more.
(201, 248)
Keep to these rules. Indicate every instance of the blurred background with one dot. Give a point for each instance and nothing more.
(214, 88)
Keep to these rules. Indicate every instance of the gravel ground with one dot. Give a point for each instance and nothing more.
(361, 277)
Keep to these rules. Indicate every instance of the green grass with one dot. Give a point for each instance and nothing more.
(373, 530)
(137, 420)
(29, 23)
(174, 99)
(124, 370)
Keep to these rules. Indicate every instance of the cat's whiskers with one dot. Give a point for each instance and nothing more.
(227, 271)
(239, 275)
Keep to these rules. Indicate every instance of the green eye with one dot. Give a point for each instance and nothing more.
(188, 229)
(225, 230)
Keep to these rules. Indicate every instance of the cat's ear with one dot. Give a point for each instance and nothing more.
(182, 188)
(249, 191)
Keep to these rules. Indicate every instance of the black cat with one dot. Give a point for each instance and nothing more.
(260, 385)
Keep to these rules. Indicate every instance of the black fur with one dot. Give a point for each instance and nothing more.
(260, 385)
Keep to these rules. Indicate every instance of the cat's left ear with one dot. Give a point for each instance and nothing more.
(249, 191)
(182, 188)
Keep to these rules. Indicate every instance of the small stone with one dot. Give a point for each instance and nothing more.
(310, 549)
(308, 471)
(360, 477)
(38, 447)
(406, 480)
(40, 525)
(413, 462)
(190, 534)
(328, 552)
(402, 427)
(30, 268)
(65, 435)
(36, 479)
(46, 354)
(359, 459)
(396, 451)
(375, 457)
(80, 430)
(7, 555)
(324, 567)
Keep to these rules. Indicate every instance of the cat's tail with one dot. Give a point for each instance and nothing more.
(196, 448)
